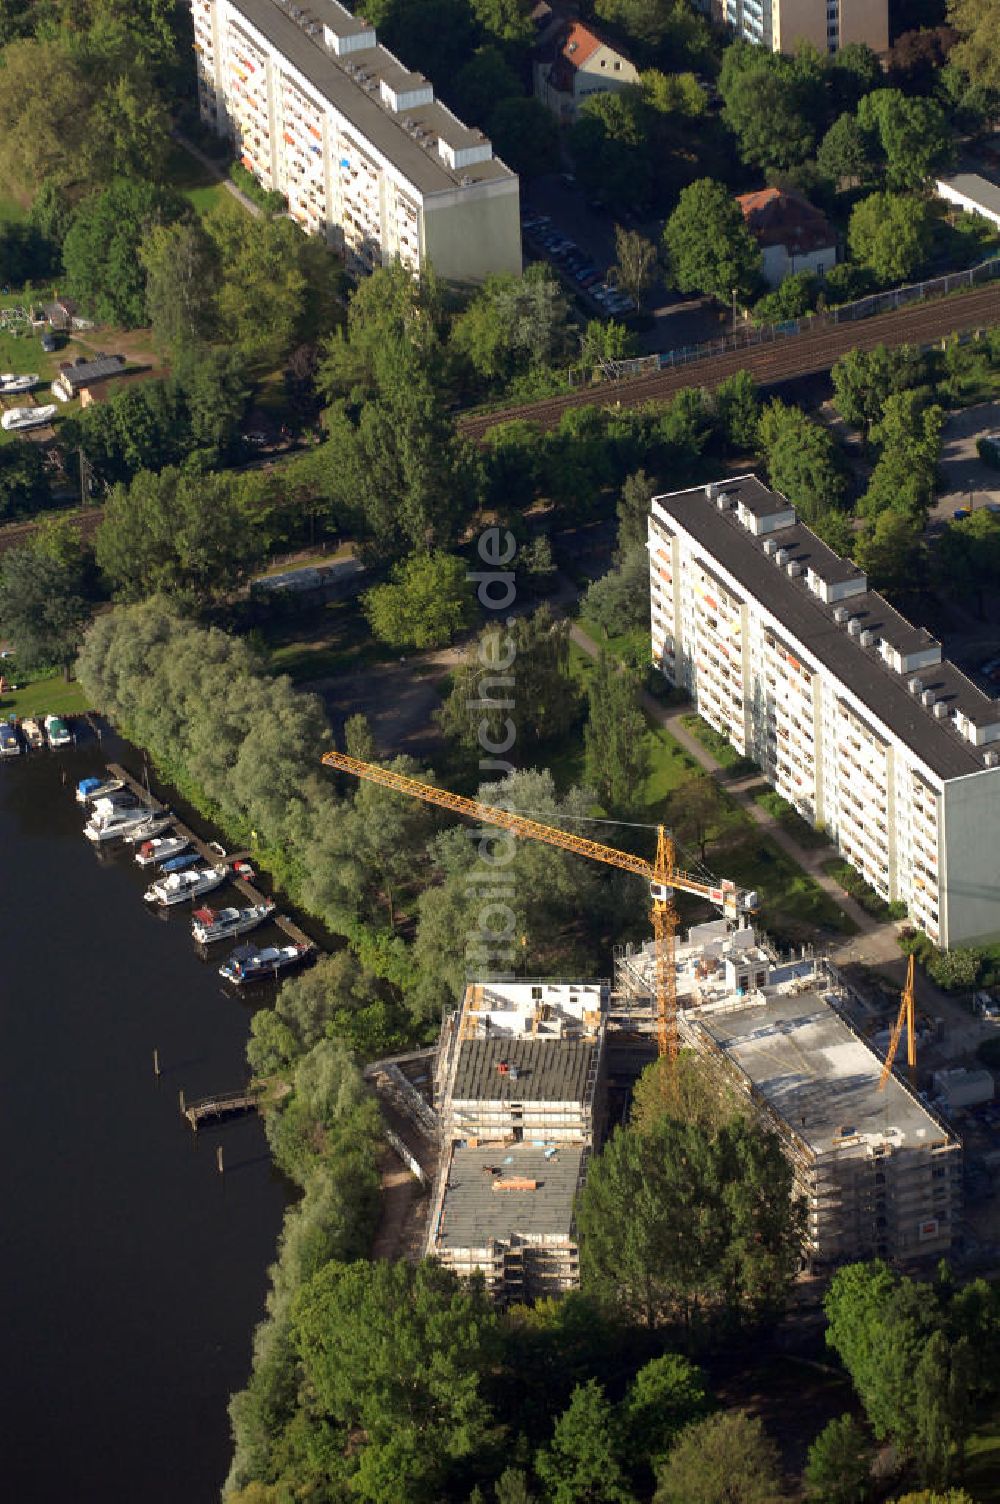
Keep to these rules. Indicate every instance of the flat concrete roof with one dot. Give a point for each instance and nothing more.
(810, 621)
(328, 75)
(474, 1214)
(816, 1073)
(548, 1070)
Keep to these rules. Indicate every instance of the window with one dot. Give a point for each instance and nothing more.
(618, 67)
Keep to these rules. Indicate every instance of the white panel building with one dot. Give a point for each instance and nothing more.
(356, 142)
(849, 710)
(784, 25)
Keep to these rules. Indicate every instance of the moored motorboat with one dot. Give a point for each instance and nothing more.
(111, 821)
(33, 734)
(179, 863)
(157, 851)
(27, 417)
(10, 742)
(248, 964)
(88, 790)
(209, 925)
(181, 887)
(9, 382)
(57, 733)
(153, 825)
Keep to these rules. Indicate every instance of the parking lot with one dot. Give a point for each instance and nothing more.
(966, 480)
(595, 287)
(557, 210)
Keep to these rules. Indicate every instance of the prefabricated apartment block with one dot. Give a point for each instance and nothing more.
(850, 711)
(880, 1174)
(519, 1095)
(356, 142)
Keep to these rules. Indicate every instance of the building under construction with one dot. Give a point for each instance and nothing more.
(519, 1096)
(879, 1172)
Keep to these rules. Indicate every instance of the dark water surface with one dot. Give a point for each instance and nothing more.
(131, 1273)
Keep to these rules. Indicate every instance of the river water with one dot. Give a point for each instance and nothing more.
(131, 1272)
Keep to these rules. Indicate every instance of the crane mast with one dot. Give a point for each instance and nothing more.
(662, 875)
(905, 1015)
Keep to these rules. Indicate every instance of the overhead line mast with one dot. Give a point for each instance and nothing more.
(663, 876)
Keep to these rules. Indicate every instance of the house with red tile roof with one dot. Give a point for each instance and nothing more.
(793, 235)
(575, 63)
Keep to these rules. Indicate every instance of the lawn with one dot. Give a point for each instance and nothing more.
(792, 904)
(314, 644)
(632, 647)
(11, 212)
(199, 186)
(52, 696)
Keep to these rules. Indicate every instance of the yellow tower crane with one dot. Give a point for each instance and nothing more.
(905, 1015)
(662, 875)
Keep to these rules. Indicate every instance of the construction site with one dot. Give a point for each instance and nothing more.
(509, 1106)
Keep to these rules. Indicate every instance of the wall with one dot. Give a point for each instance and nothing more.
(469, 235)
(970, 840)
(778, 264)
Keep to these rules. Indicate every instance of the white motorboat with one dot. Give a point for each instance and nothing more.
(33, 734)
(10, 743)
(209, 925)
(153, 825)
(111, 821)
(154, 852)
(182, 887)
(57, 733)
(10, 383)
(88, 790)
(28, 417)
(248, 964)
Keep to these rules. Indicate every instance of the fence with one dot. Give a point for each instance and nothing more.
(746, 339)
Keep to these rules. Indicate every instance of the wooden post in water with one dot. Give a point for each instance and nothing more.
(180, 1095)
(156, 1065)
(218, 1158)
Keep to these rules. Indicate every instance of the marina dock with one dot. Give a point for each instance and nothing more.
(213, 856)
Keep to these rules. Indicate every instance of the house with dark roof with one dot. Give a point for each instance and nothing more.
(793, 235)
(575, 63)
(72, 379)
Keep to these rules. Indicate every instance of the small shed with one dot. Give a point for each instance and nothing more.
(60, 313)
(83, 373)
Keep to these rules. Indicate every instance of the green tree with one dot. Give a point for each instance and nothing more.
(891, 234)
(680, 1224)
(709, 248)
(483, 81)
(802, 460)
(512, 1487)
(890, 551)
(913, 134)
(617, 757)
(101, 251)
(24, 482)
(514, 691)
(977, 23)
(674, 93)
(507, 20)
(42, 607)
(842, 153)
(181, 271)
(795, 296)
(427, 604)
(942, 1384)
(839, 1466)
(525, 136)
(725, 1456)
(667, 1394)
(967, 557)
(514, 323)
(687, 1090)
(581, 1464)
(669, 26)
(636, 262)
(737, 409)
(602, 340)
(196, 535)
(633, 512)
(619, 600)
(764, 109)
(864, 379)
(393, 1360)
(698, 810)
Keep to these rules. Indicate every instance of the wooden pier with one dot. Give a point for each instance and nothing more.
(227, 1105)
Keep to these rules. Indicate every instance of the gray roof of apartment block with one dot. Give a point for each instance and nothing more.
(420, 165)
(474, 1214)
(810, 621)
(548, 1070)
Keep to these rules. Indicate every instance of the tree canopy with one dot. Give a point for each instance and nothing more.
(427, 604)
(709, 248)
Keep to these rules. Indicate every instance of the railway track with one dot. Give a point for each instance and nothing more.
(798, 355)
